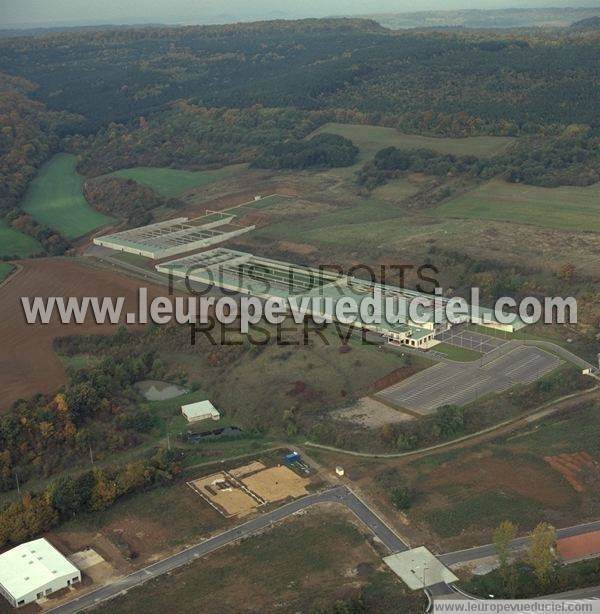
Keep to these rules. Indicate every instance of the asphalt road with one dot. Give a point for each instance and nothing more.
(517, 545)
(338, 494)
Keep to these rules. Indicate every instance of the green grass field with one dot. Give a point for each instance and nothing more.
(368, 224)
(171, 182)
(370, 139)
(55, 198)
(5, 270)
(15, 243)
(565, 208)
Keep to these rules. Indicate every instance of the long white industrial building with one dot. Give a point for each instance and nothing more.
(175, 236)
(265, 278)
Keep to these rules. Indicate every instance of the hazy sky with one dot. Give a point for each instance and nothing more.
(71, 12)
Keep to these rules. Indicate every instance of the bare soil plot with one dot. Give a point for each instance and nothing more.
(371, 413)
(575, 468)
(28, 363)
(394, 377)
(302, 249)
(483, 474)
(276, 484)
(225, 494)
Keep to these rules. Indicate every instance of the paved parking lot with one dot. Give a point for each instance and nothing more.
(459, 336)
(462, 383)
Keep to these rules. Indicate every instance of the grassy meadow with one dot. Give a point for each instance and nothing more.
(365, 223)
(564, 208)
(15, 243)
(5, 270)
(170, 182)
(55, 198)
(370, 139)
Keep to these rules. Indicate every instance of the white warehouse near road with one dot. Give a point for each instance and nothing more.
(31, 571)
(203, 410)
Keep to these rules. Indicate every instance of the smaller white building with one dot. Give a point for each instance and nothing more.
(33, 570)
(203, 410)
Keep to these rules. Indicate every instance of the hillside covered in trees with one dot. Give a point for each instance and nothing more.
(206, 96)
(448, 82)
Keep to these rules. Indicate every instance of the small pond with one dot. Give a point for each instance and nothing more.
(154, 390)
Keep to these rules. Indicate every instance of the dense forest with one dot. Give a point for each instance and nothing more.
(125, 199)
(202, 97)
(189, 136)
(98, 409)
(320, 151)
(28, 134)
(446, 82)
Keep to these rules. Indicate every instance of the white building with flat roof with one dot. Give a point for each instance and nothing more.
(203, 410)
(33, 570)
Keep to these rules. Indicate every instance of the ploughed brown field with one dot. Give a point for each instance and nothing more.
(28, 363)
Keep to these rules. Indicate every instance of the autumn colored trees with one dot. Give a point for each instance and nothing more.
(44, 434)
(125, 199)
(321, 151)
(91, 491)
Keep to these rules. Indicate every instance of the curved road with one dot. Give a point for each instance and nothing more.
(338, 494)
(524, 419)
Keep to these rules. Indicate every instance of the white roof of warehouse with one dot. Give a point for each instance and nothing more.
(202, 408)
(25, 568)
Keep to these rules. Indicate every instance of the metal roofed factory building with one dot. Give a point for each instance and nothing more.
(175, 236)
(31, 571)
(267, 278)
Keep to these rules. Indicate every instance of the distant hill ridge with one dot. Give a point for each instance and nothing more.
(591, 23)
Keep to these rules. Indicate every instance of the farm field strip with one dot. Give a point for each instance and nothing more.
(16, 244)
(370, 139)
(170, 182)
(564, 208)
(5, 270)
(55, 198)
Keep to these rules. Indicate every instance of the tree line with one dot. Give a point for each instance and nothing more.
(90, 491)
(321, 151)
(97, 409)
(125, 199)
(570, 158)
